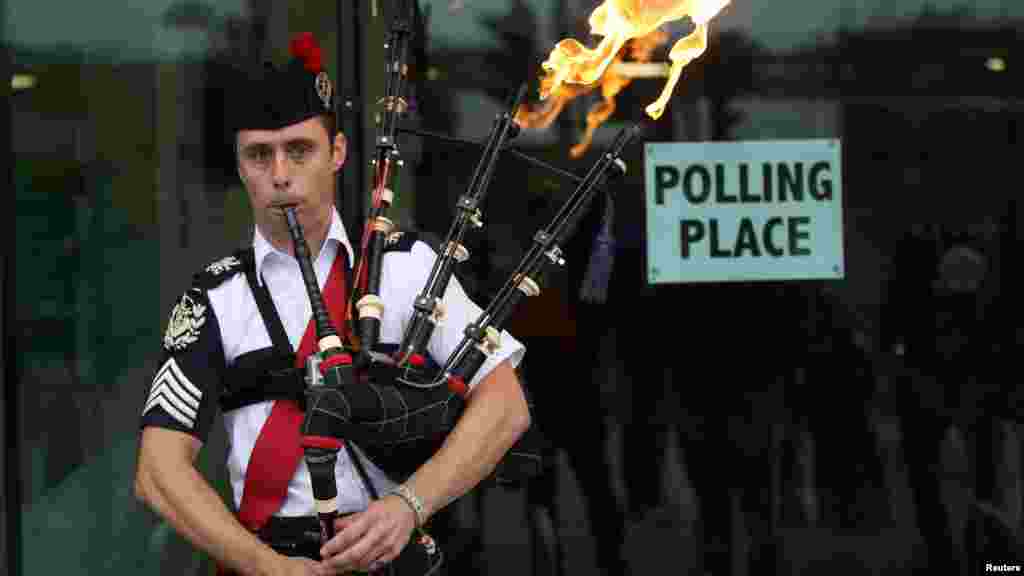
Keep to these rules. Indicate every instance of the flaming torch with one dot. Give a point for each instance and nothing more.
(626, 27)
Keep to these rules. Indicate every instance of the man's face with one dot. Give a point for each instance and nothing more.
(293, 165)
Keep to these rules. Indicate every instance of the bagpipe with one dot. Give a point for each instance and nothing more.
(397, 407)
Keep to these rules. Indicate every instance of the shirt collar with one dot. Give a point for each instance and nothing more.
(335, 234)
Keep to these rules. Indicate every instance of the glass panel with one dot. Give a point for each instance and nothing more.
(124, 185)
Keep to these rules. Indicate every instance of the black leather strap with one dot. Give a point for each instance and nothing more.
(262, 375)
(267, 309)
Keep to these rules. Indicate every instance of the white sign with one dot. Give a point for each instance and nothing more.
(742, 211)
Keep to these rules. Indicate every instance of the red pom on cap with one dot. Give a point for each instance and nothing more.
(304, 47)
(417, 360)
(314, 61)
(302, 44)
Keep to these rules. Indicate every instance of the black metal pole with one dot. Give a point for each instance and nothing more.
(11, 494)
(351, 192)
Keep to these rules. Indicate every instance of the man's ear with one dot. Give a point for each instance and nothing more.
(339, 150)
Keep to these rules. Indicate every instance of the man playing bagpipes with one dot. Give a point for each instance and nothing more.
(237, 341)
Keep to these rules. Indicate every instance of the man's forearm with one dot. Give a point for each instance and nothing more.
(496, 416)
(180, 494)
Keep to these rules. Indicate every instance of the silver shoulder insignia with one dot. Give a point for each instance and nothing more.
(223, 265)
(187, 317)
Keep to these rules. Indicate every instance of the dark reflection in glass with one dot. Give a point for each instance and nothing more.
(116, 196)
(857, 406)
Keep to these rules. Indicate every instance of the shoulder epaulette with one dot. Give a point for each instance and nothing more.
(401, 241)
(216, 273)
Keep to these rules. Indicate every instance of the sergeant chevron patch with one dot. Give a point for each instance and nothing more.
(173, 392)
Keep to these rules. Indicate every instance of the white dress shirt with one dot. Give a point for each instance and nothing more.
(403, 275)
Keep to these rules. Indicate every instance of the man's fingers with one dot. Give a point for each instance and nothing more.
(351, 530)
(315, 569)
(296, 566)
(359, 554)
(379, 563)
(388, 553)
(388, 549)
(383, 555)
(367, 540)
(342, 522)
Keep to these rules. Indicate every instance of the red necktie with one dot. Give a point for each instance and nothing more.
(278, 452)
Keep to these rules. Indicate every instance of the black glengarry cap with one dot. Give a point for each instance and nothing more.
(271, 98)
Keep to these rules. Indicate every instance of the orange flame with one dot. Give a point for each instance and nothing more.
(573, 70)
(613, 81)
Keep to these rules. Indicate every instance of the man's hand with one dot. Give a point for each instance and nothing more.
(289, 566)
(368, 540)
